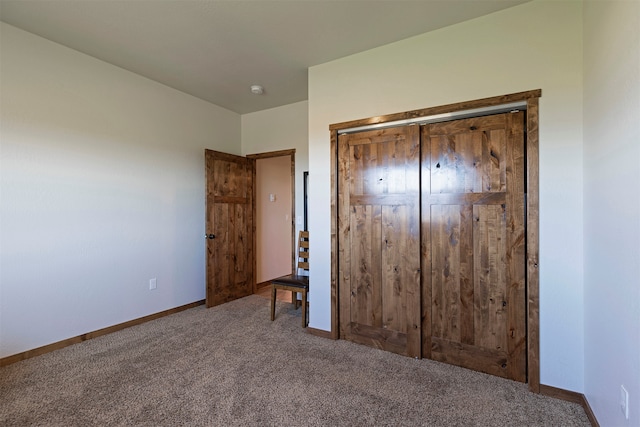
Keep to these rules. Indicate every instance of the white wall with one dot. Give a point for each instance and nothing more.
(102, 186)
(281, 128)
(537, 45)
(612, 208)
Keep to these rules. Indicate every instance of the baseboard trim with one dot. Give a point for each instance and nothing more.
(590, 414)
(263, 284)
(571, 396)
(89, 335)
(319, 333)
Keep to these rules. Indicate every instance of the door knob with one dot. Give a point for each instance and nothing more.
(209, 236)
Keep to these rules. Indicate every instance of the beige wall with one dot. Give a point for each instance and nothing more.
(102, 184)
(612, 208)
(537, 45)
(273, 218)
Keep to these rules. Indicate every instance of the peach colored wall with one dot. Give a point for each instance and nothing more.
(273, 218)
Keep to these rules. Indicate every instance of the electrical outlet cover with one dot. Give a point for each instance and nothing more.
(624, 401)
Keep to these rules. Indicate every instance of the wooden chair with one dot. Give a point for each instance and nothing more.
(295, 282)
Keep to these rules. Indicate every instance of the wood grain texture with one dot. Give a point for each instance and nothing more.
(469, 356)
(425, 245)
(229, 216)
(343, 235)
(379, 260)
(412, 270)
(515, 250)
(533, 245)
(477, 243)
(466, 274)
(493, 178)
(388, 340)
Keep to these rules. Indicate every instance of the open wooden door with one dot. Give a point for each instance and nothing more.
(229, 227)
(379, 238)
(473, 236)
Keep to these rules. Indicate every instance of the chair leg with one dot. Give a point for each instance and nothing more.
(294, 299)
(273, 302)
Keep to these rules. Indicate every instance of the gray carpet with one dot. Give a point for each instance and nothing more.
(230, 365)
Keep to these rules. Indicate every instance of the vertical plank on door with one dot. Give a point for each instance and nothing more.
(222, 248)
(344, 183)
(515, 241)
(393, 285)
(427, 173)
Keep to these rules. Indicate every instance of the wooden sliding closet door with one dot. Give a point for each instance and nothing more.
(473, 238)
(379, 238)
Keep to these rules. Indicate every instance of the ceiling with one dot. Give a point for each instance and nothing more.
(216, 49)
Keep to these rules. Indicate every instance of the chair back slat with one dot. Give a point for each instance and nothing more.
(303, 250)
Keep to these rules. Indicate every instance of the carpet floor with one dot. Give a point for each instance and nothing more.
(231, 366)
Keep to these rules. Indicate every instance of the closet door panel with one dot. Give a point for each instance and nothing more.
(473, 244)
(379, 246)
